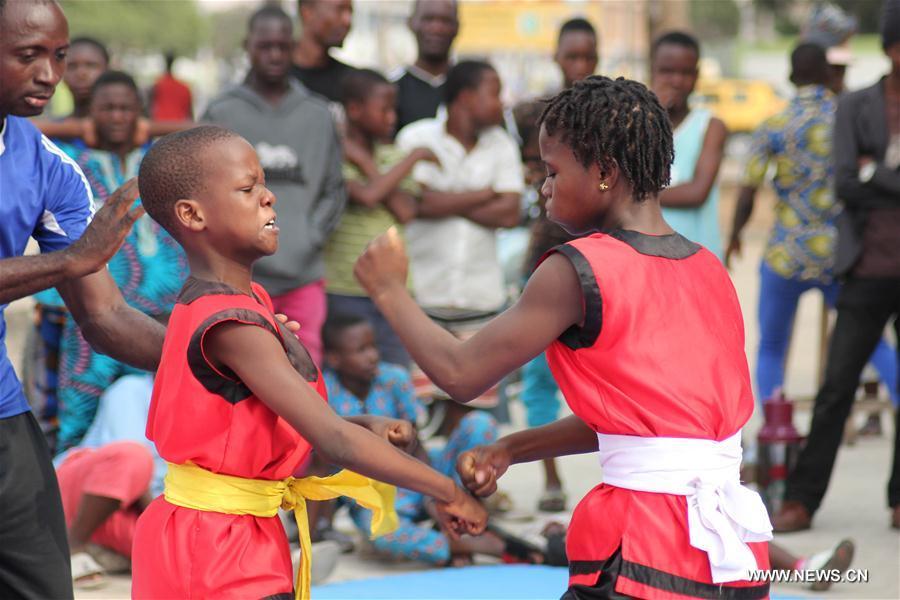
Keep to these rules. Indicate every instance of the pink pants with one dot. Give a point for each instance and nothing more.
(307, 306)
(121, 470)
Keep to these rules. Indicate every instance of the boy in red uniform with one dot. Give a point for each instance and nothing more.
(238, 405)
(645, 337)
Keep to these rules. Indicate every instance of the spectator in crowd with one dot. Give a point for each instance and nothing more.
(325, 25)
(691, 201)
(800, 252)
(380, 192)
(420, 86)
(473, 191)
(576, 50)
(297, 143)
(867, 180)
(170, 99)
(149, 269)
(46, 197)
(86, 61)
(360, 384)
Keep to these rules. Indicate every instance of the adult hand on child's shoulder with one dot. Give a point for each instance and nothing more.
(462, 515)
(292, 326)
(383, 266)
(481, 467)
(104, 236)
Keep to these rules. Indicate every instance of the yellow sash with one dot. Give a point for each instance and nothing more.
(193, 487)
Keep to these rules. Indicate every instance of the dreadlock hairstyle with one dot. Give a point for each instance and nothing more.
(604, 121)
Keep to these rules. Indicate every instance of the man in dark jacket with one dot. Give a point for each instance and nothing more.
(867, 180)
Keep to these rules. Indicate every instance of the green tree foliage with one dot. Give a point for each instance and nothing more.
(147, 25)
(716, 19)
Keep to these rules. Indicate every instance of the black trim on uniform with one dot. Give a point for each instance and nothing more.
(281, 596)
(194, 288)
(585, 336)
(673, 245)
(663, 581)
(225, 384)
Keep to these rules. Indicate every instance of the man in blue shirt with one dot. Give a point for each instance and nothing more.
(44, 195)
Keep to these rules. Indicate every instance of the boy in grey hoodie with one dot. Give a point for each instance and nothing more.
(297, 143)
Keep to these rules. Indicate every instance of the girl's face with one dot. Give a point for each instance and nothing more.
(573, 196)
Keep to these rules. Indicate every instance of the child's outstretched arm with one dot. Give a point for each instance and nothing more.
(551, 303)
(481, 467)
(380, 186)
(258, 359)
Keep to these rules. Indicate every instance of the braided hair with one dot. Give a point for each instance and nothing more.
(607, 120)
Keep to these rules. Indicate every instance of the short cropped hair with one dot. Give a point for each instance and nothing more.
(604, 120)
(84, 40)
(113, 78)
(357, 85)
(336, 325)
(576, 24)
(464, 75)
(809, 64)
(675, 38)
(175, 168)
(268, 11)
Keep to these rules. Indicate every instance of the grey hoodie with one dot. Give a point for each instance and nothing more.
(298, 148)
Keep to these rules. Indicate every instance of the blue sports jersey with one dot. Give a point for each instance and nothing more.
(44, 195)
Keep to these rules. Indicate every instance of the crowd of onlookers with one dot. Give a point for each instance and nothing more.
(350, 153)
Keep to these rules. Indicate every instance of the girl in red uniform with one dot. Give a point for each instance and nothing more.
(645, 337)
(238, 404)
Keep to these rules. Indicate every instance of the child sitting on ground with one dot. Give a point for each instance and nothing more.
(359, 384)
(238, 404)
(381, 194)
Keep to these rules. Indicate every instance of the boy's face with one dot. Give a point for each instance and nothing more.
(269, 46)
(674, 74)
(577, 56)
(571, 190)
(33, 47)
(328, 21)
(484, 101)
(84, 65)
(115, 109)
(234, 210)
(377, 114)
(356, 355)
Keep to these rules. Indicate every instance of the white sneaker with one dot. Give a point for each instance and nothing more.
(325, 555)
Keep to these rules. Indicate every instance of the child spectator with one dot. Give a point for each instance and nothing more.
(691, 201)
(474, 190)
(381, 195)
(238, 404)
(359, 384)
(149, 268)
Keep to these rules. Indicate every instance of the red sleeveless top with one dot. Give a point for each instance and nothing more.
(660, 354)
(208, 417)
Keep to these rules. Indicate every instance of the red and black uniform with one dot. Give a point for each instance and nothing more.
(660, 354)
(207, 417)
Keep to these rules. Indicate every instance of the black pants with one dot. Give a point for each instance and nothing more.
(864, 308)
(34, 550)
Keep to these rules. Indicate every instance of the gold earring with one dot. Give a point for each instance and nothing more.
(603, 186)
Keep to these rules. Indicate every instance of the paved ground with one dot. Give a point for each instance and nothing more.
(854, 507)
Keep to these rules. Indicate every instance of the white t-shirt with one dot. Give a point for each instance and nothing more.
(453, 260)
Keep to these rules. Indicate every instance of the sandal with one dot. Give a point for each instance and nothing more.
(552, 500)
(87, 574)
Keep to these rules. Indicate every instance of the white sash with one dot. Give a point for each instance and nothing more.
(722, 514)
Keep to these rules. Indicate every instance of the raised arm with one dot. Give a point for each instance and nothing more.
(550, 304)
(25, 275)
(693, 193)
(109, 325)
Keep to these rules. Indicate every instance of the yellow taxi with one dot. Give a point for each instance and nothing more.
(741, 103)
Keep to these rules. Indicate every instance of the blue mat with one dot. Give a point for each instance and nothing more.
(495, 582)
